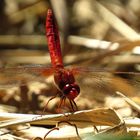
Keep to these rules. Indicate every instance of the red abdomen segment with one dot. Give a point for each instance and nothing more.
(64, 79)
(53, 40)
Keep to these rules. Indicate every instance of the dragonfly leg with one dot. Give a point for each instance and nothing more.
(62, 102)
(57, 128)
(73, 105)
(48, 103)
(45, 107)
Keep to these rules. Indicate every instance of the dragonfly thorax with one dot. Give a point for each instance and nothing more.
(65, 81)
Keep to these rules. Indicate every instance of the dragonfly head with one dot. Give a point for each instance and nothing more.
(71, 91)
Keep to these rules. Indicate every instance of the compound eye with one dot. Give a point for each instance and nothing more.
(71, 88)
(75, 86)
(67, 88)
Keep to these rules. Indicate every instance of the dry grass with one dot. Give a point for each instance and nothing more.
(102, 39)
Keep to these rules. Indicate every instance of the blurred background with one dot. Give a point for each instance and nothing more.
(100, 37)
(82, 25)
(94, 33)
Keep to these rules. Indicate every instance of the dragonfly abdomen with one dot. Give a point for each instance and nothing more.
(53, 40)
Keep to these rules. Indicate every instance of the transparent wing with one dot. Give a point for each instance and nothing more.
(23, 75)
(98, 83)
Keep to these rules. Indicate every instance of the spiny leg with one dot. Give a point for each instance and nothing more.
(73, 105)
(62, 99)
(48, 102)
(45, 107)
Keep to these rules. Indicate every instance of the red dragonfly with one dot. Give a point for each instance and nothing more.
(64, 78)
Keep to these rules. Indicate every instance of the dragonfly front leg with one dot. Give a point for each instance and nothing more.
(73, 105)
(48, 102)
